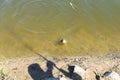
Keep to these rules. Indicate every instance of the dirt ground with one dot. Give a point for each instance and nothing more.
(41, 67)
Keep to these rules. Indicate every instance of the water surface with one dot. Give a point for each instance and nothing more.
(90, 26)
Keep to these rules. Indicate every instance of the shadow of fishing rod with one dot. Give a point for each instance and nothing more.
(48, 61)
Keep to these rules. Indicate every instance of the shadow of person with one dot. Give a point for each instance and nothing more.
(35, 71)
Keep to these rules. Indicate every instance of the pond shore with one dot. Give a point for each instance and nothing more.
(39, 67)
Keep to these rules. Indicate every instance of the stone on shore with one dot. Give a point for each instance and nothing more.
(111, 75)
(80, 71)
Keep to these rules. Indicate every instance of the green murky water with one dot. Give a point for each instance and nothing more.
(28, 27)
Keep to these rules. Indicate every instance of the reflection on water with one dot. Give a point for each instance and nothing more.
(89, 26)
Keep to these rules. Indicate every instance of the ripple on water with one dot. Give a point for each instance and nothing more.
(89, 26)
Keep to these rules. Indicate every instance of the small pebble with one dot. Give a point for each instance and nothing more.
(76, 60)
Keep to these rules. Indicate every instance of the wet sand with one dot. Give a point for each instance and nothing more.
(40, 67)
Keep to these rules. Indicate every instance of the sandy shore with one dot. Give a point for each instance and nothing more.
(38, 68)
